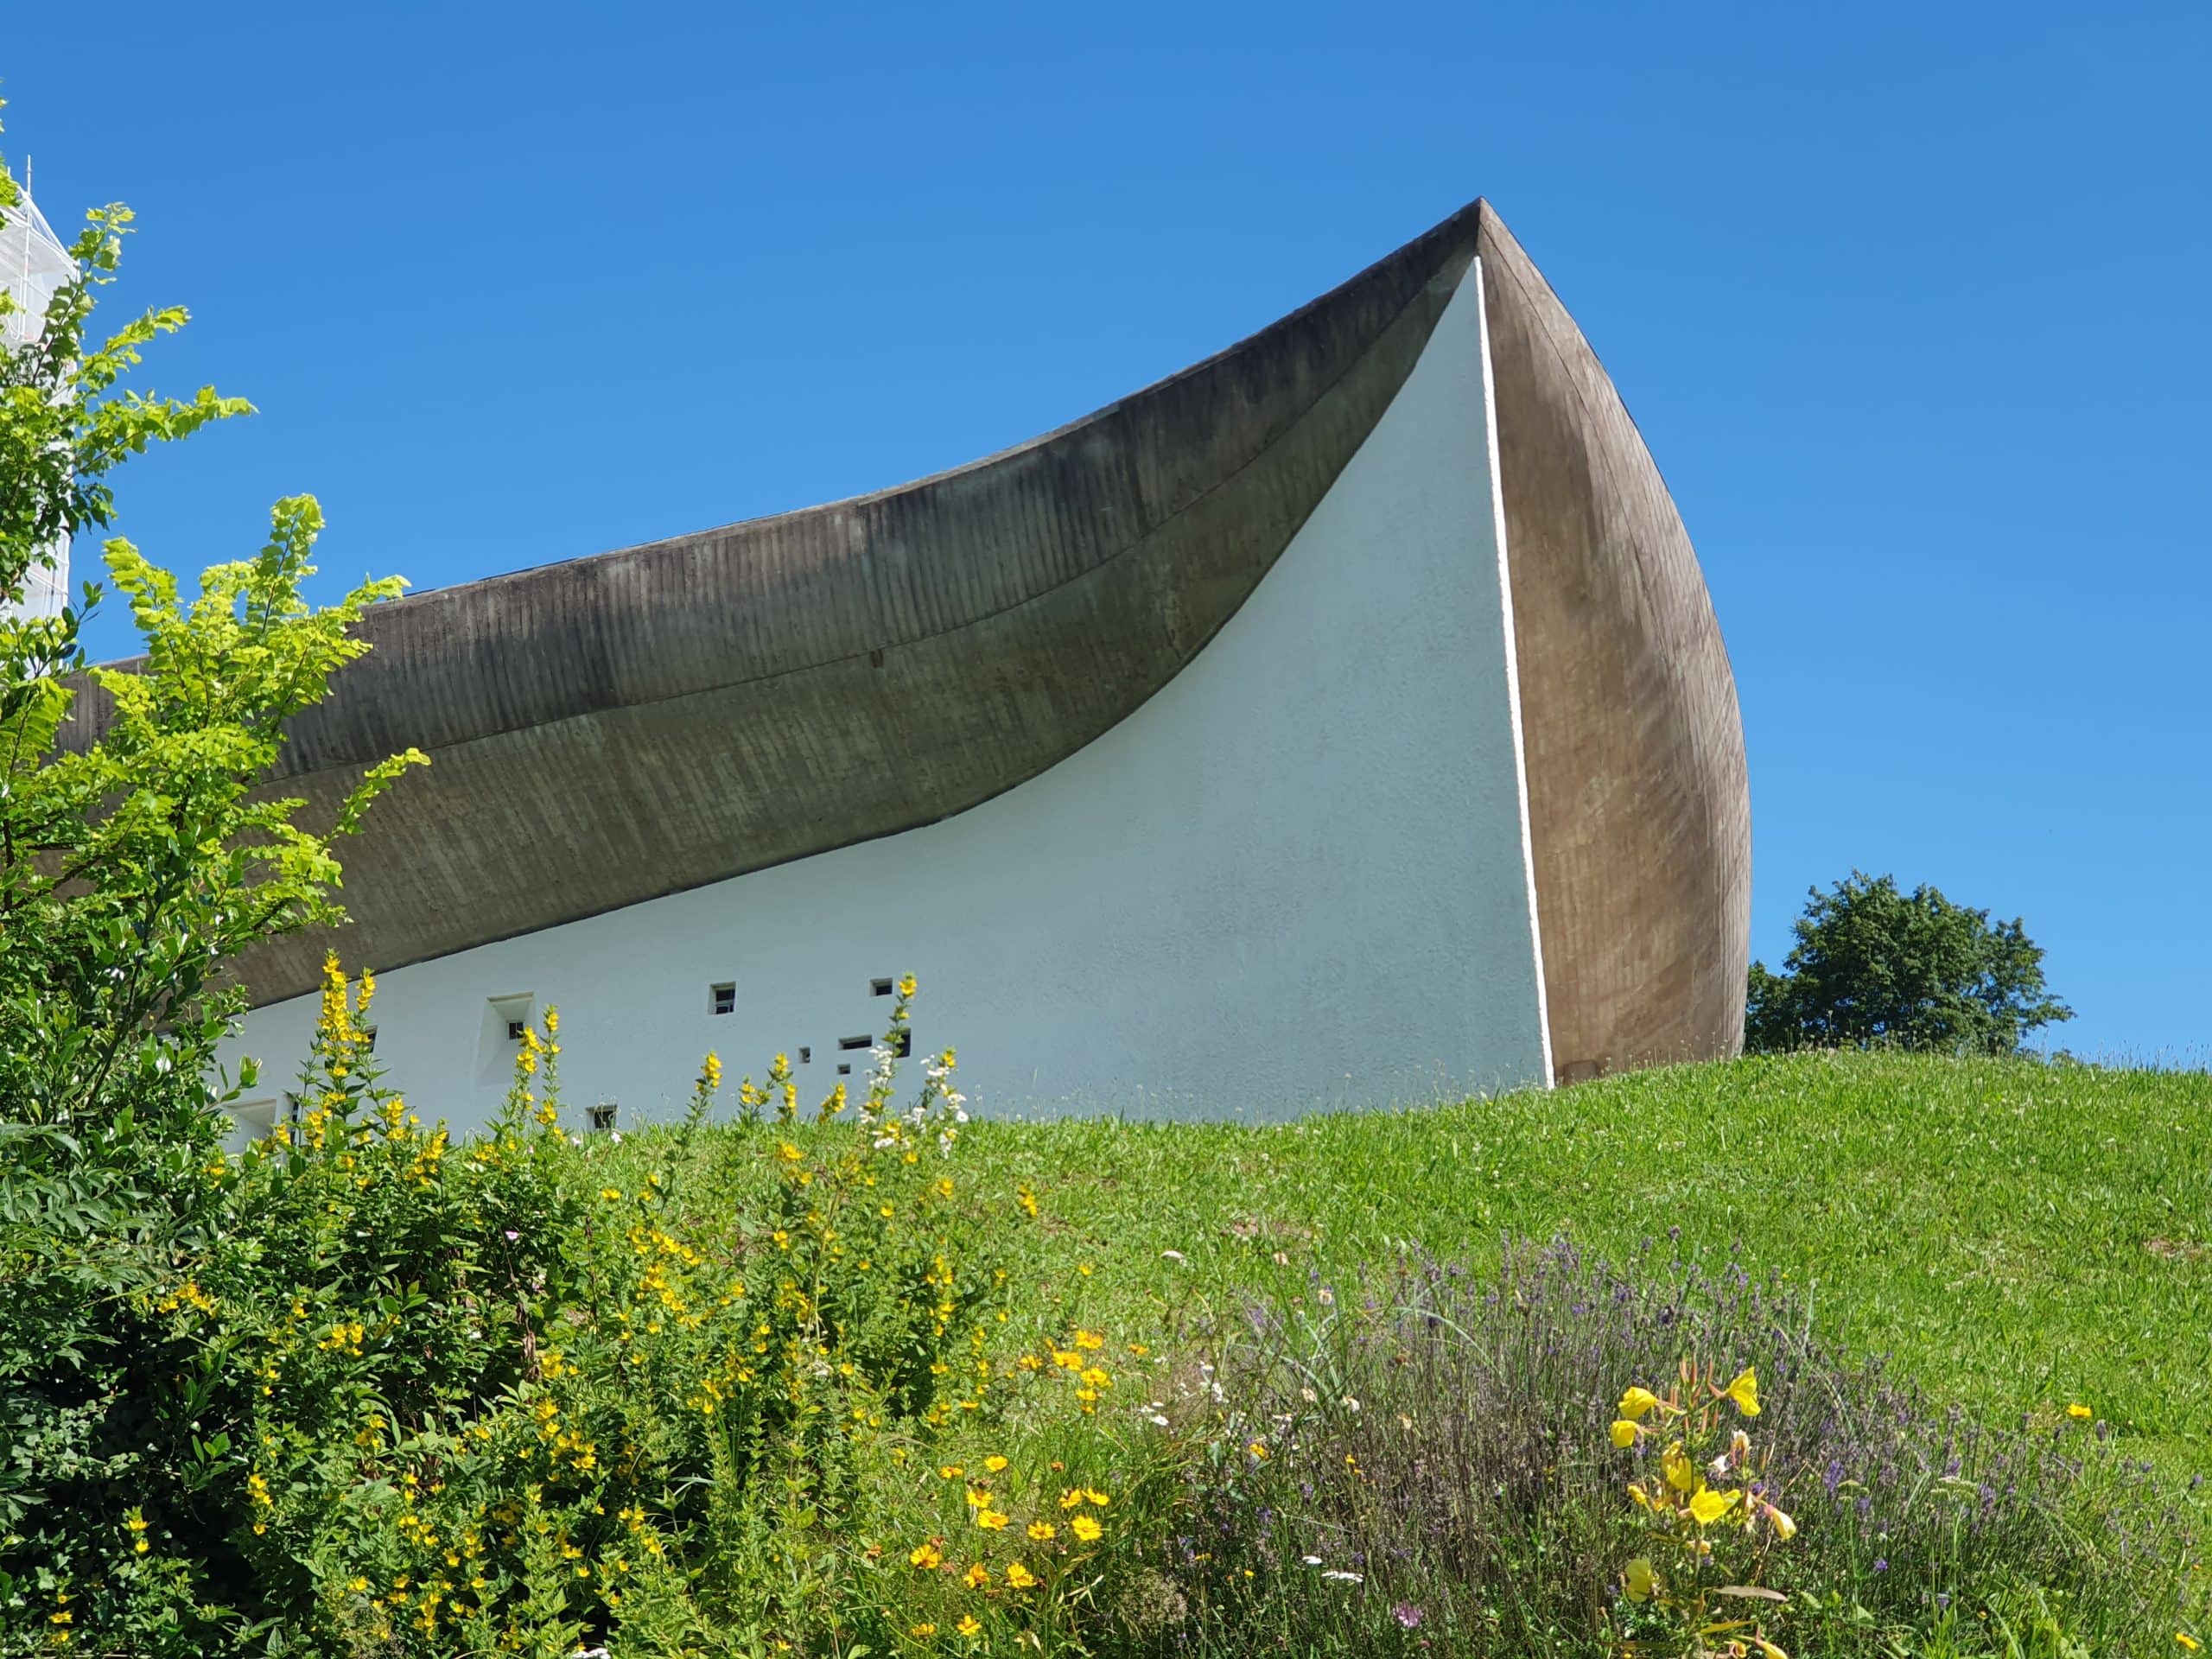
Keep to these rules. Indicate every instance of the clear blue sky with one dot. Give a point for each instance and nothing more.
(1910, 302)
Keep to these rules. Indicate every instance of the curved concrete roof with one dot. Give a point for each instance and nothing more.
(619, 727)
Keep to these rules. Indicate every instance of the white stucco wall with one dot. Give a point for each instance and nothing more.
(1297, 877)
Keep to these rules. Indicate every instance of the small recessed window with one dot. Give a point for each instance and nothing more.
(723, 999)
(844, 1070)
(879, 988)
(805, 1057)
(515, 1029)
(851, 1043)
(603, 1115)
(902, 1042)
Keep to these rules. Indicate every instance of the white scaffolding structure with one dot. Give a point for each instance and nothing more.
(33, 266)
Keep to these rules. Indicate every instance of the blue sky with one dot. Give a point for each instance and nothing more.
(1910, 302)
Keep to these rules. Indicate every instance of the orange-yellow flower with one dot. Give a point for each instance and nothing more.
(1744, 1391)
(926, 1556)
(1707, 1506)
(1042, 1530)
(1086, 1528)
(1020, 1577)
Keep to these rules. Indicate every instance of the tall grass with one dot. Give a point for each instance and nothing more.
(1428, 1469)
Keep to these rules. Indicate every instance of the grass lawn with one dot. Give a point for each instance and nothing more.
(2018, 1236)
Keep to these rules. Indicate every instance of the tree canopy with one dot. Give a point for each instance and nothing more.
(1876, 966)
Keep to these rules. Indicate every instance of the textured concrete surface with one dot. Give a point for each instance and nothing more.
(617, 729)
(1639, 803)
(1295, 877)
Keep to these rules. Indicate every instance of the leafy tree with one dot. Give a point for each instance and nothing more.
(1876, 966)
(133, 868)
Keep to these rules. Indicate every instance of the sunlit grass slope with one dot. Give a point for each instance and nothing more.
(2020, 1237)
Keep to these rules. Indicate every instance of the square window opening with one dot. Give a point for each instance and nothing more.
(879, 988)
(722, 999)
(603, 1115)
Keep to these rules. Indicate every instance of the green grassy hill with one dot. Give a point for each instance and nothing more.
(2021, 1238)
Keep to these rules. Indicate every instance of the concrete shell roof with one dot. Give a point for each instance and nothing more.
(619, 727)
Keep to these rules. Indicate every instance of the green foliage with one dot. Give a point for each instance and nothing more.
(132, 868)
(1873, 966)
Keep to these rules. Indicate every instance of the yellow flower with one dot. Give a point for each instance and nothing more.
(1042, 1530)
(1676, 1468)
(978, 1498)
(1085, 1528)
(921, 1630)
(2080, 1411)
(1708, 1506)
(995, 1464)
(787, 1151)
(1089, 1339)
(950, 1471)
(1623, 1432)
(1258, 1450)
(1020, 1577)
(1767, 1649)
(993, 1519)
(977, 1576)
(1097, 1497)
(1640, 1580)
(1744, 1391)
(1784, 1528)
(968, 1625)
(1636, 1402)
(2188, 1642)
(1071, 1498)
(926, 1556)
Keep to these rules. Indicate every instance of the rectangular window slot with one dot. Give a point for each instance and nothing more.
(851, 1043)
(602, 1116)
(879, 988)
(723, 999)
(844, 1070)
(515, 1028)
(902, 1043)
(806, 1056)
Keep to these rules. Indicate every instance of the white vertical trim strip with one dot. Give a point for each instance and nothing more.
(1512, 669)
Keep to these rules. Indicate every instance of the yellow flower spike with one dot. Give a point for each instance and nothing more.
(1744, 1391)
(1624, 1432)
(1636, 1402)
(1639, 1578)
(1707, 1506)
